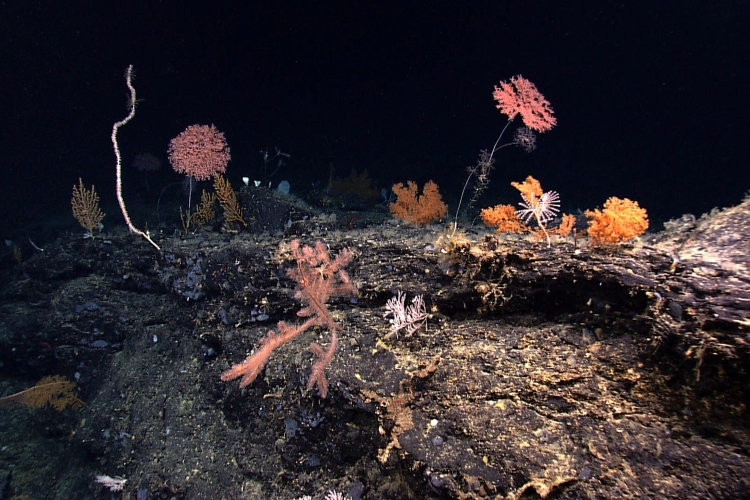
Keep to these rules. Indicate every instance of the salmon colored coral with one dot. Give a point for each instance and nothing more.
(620, 220)
(318, 278)
(520, 96)
(199, 151)
(416, 209)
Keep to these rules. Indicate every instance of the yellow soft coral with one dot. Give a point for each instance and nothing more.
(620, 220)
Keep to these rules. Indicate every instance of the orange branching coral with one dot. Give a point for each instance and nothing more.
(530, 188)
(504, 218)
(620, 220)
(204, 212)
(563, 230)
(418, 209)
(566, 225)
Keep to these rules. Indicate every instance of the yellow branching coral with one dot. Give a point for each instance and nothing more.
(85, 205)
(55, 391)
(228, 201)
(204, 212)
(418, 209)
(566, 225)
(620, 220)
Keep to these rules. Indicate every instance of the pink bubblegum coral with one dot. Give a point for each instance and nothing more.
(521, 96)
(200, 151)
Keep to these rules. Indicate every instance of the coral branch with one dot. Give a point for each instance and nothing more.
(253, 364)
(85, 205)
(318, 277)
(318, 375)
(56, 391)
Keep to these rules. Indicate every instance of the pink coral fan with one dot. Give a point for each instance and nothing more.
(520, 96)
(200, 151)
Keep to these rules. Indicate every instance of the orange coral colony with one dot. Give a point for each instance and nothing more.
(504, 218)
(530, 188)
(620, 220)
(415, 209)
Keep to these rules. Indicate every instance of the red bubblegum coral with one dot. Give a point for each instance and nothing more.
(200, 151)
(520, 96)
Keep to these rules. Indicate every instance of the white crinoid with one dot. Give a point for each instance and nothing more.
(543, 209)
